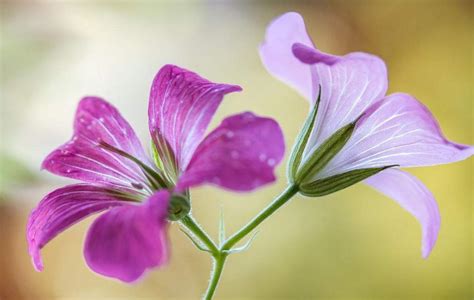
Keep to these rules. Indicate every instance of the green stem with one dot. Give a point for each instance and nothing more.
(193, 226)
(218, 266)
(286, 195)
(219, 255)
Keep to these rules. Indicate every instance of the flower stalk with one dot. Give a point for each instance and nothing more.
(220, 254)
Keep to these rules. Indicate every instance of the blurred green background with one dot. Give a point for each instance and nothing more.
(355, 244)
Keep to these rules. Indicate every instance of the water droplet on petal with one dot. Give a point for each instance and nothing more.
(229, 134)
(271, 162)
(234, 154)
(262, 157)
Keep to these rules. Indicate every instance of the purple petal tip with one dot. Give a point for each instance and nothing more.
(311, 55)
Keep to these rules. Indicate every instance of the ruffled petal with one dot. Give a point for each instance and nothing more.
(412, 195)
(126, 241)
(241, 154)
(398, 130)
(349, 84)
(181, 106)
(276, 52)
(63, 208)
(83, 158)
(348, 87)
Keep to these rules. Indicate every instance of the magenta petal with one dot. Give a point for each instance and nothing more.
(241, 154)
(413, 196)
(398, 130)
(60, 210)
(126, 241)
(181, 106)
(82, 158)
(276, 52)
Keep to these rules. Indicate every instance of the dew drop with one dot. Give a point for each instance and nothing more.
(262, 157)
(68, 171)
(234, 154)
(101, 119)
(229, 134)
(271, 162)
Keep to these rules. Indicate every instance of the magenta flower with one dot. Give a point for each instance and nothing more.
(105, 153)
(388, 131)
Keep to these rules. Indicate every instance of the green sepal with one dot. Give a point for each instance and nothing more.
(302, 139)
(164, 158)
(178, 208)
(329, 185)
(156, 157)
(326, 151)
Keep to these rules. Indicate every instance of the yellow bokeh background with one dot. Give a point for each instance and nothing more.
(355, 244)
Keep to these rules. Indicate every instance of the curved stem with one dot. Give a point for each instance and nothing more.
(218, 267)
(219, 255)
(286, 195)
(194, 227)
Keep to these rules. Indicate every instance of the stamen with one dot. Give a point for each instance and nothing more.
(155, 178)
(165, 158)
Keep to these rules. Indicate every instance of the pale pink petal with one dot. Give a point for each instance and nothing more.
(83, 158)
(181, 106)
(348, 87)
(61, 209)
(398, 130)
(349, 84)
(413, 196)
(126, 241)
(241, 154)
(276, 52)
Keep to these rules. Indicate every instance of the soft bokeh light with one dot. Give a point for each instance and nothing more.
(355, 244)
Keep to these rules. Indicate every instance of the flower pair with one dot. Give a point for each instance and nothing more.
(353, 133)
(140, 194)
